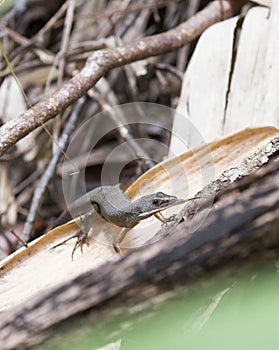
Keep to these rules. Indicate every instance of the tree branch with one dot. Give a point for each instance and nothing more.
(101, 61)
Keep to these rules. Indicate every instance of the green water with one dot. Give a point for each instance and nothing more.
(239, 311)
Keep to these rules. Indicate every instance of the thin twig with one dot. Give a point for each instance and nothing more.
(41, 188)
(60, 60)
(35, 42)
(60, 57)
(28, 181)
(39, 37)
(15, 56)
(100, 62)
(20, 239)
(130, 9)
(125, 132)
(168, 68)
(184, 53)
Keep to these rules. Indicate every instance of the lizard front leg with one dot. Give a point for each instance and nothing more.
(121, 235)
(118, 239)
(164, 220)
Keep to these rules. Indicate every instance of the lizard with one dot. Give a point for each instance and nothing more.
(114, 206)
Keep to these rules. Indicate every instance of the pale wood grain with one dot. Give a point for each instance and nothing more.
(214, 106)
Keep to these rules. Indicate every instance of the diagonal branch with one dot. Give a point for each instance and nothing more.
(101, 61)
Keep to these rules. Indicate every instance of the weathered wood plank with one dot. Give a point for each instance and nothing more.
(223, 93)
(204, 87)
(253, 99)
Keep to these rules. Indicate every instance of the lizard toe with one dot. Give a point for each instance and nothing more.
(82, 239)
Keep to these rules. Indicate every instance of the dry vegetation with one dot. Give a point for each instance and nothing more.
(46, 45)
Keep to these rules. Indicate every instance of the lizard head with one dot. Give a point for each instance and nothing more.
(156, 202)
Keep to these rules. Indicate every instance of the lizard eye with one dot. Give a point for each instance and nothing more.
(155, 201)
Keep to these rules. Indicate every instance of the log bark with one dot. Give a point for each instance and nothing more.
(242, 223)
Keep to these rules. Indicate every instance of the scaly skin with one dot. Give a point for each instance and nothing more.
(114, 206)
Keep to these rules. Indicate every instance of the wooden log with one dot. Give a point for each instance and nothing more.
(242, 223)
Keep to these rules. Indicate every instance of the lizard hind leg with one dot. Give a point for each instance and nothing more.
(82, 239)
(81, 236)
